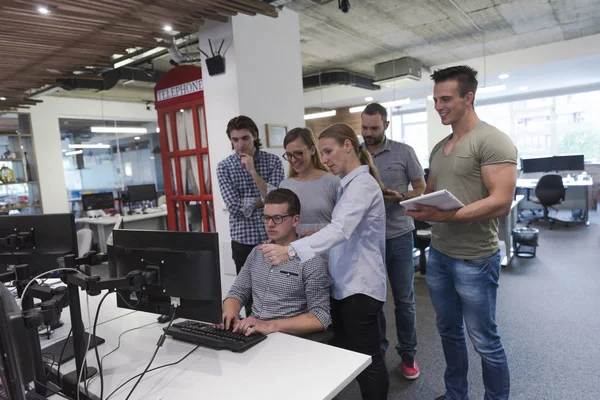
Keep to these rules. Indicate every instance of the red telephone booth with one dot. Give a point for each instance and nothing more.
(184, 150)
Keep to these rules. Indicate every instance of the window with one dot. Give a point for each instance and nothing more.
(411, 128)
(96, 162)
(558, 125)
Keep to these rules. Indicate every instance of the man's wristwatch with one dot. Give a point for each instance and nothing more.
(291, 252)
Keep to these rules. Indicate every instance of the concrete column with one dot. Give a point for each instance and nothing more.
(263, 80)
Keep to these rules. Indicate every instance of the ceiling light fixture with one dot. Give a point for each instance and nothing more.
(89, 146)
(43, 10)
(491, 89)
(320, 115)
(168, 28)
(115, 129)
(136, 138)
(523, 88)
(503, 76)
(3, 98)
(182, 110)
(73, 153)
(368, 98)
(395, 103)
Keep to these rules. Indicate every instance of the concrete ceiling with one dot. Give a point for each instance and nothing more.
(434, 31)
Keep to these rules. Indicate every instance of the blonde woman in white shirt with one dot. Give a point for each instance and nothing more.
(355, 242)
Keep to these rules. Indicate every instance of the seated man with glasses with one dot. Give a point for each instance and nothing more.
(292, 297)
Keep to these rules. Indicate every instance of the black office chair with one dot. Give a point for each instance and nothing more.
(422, 237)
(549, 192)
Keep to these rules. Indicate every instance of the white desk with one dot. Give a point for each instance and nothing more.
(576, 195)
(102, 226)
(505, 227)
(281, 367)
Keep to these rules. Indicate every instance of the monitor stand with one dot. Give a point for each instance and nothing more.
(69, 353)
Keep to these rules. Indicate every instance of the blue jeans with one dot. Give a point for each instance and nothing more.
(401, 273)
(466, 290)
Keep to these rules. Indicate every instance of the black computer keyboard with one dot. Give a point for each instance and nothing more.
(207, 336)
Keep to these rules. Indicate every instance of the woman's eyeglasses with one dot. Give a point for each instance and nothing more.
(278, 219)
(296, 154)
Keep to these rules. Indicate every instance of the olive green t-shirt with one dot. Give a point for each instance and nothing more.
(460, 174)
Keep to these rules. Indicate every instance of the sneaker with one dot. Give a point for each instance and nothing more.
(410, 372)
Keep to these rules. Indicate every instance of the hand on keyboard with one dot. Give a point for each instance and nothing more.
(252, 325)
(230, 319)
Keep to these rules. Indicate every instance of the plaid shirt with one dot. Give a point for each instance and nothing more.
(283, 291)
(240, 193)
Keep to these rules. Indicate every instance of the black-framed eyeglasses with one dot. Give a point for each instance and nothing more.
(296, 154)
(277, 219)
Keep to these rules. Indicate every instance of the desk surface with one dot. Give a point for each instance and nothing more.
(126, 218)
(530, 183)
(281, 367)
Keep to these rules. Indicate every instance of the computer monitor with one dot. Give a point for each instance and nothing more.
(531, 165)
(575, 162)
(141, 193)
(16, 359)
(98, 201)
(187, 267)
(51, 236)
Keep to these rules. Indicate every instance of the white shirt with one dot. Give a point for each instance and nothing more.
(355, 239)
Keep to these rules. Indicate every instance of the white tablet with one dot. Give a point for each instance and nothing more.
(441, 199)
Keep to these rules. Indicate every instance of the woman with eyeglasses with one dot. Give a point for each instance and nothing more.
(355, 240)
(310, 180)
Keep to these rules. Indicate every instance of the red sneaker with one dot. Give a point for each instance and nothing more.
(410, 372)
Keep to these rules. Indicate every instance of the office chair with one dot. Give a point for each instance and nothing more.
(85, 238)
(549, 192)
(422, 235)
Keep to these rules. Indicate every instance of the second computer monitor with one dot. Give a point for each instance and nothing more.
(186, 265)
(98, 201)
(574, 162)
(541, 164)
(51, 236)
(141, 193)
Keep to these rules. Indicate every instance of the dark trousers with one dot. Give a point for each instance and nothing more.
(240, 253)
(356, 327)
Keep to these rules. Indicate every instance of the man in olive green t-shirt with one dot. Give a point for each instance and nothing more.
(476, 163)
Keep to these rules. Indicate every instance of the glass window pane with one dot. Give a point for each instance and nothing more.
(186, 139)
(203, 137)
(169, 136)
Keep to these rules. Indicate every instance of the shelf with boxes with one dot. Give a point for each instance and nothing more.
(19, 185)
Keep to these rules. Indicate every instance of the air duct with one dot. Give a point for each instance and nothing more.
(398, 69)
(330, 78)
(110, 79)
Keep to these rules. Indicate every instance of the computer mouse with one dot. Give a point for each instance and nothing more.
(163, 319)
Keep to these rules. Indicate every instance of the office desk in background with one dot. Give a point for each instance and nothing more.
(281, 367)
(505, 227)
(102, 226)
(576, 196)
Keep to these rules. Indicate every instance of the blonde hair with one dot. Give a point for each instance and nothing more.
(308, 137)
(343, 132)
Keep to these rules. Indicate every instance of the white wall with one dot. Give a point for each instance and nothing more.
(45, 126)
(435, 130)
(263, 80)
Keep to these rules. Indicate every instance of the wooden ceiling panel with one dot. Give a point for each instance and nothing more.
(36, 49)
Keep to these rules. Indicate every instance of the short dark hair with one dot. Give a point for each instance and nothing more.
(244, 123)
(463, 74)
(376, 108)
(284, 196)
